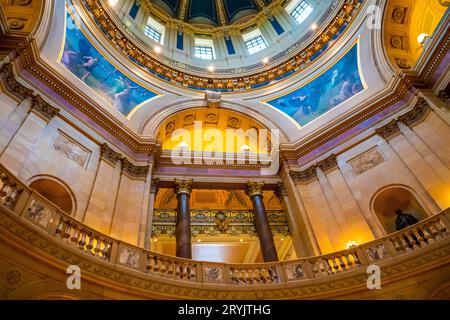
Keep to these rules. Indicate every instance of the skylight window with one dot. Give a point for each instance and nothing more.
(299, 10)
(254, 41)
(154, 30)
(204, 49)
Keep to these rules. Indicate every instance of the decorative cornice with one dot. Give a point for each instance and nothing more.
(280, 190)
(109, 154)
(254, 189)
(417, 114)
(328, 164)
(44, 108)
(133, 170)
(304, 175)
(389, 130)
(12, 85)
(183, 186)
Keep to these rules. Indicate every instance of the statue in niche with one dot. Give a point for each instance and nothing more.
(404, 220)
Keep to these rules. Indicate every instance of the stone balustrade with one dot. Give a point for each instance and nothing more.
(48, 218)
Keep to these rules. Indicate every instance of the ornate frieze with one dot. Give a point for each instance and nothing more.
(417, 114)
(304, 175)
(182, 186)
(109, 154)
(328, 164)
(133, 170)
(216, 222)
(12, 85)
(389, 130)
(44, 108)
(444, 95)
(254, 189)
(154, 186)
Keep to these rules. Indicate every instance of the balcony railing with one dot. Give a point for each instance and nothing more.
(31, 206)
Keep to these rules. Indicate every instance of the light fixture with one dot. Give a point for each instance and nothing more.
(210, 68)
(112, 3)
(245, 148)
(282, 239)
(199, 240)
(241, 240)
(422, 37)
(183, 145)
(158, 49)
(314, 26)
(265, 60)
(351, 244)
(155, 240)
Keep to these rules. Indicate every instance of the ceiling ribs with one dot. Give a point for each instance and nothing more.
(183, 9)
(221, 12)
(260, 4)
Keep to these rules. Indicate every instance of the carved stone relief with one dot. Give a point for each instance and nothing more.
(366, 161)
(72, 150)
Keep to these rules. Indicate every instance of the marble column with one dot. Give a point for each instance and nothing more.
(183, 227)
(148, 232)
(269, 252)
(16, 153)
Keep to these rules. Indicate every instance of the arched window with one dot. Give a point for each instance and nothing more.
(56, 192)
(387, 200)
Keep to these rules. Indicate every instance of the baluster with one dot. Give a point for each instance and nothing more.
(416, 232)
(106, 251)
(442, 231)
(434, 231)
(193, 272)
(82, 241)
(98, 246)
(90, 244)
(155, 264)
(411, 241)
(426, 235)
(59, 229)
(356, 261)
(66, 233)
(177, 270)
(349, 261)
(341, 263)
(398, 245)
(74, 235)
(404, 244)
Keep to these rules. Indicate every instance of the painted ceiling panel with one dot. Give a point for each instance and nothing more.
(202, 9)
(234, 7)
(173, 5)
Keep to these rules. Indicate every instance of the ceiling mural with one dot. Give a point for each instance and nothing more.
(82, 59)
(336, 85)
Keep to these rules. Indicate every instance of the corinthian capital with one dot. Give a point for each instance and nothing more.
(254, 188)
(417, 114)
(182, 186)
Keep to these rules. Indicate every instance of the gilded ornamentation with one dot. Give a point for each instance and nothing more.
(9, 191)
(109, 154)
(280, 190)
(215, 222)
(213, 274)
(71, 149)
(403, 63)
(398, 15)
(417, 114)
(182, 186)
(389, 130)
(366, 161)
(304, 176)
(154, 186)
(254, 189)
(444, 95)
(16, 24)
(12, 278)
(133, 170)
(44, 108)
(129, 257)
(211, 118)
(39, 213)
(397, 42)
(234, 122)
(170, 127)
(189, 120)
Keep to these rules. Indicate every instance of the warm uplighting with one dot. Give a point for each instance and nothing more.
(199, 240)
(210, 68)
(155, 240)
(245, 148)
(241, 240)
(112, 3)
(265, 60)
(282, 239)
(158, 49)
(314, 26)
(351, 244)
(422, 37)
(183, 146)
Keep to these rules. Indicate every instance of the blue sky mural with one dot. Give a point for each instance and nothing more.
(336, 85)
(84, 61)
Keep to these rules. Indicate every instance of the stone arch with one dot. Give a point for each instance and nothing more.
(56, 191)
(389, 198)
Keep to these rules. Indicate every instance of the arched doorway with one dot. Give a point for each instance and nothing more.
(387, 200)
(55, 192)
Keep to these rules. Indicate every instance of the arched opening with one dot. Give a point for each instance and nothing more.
(55, 192)
(387, 201)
